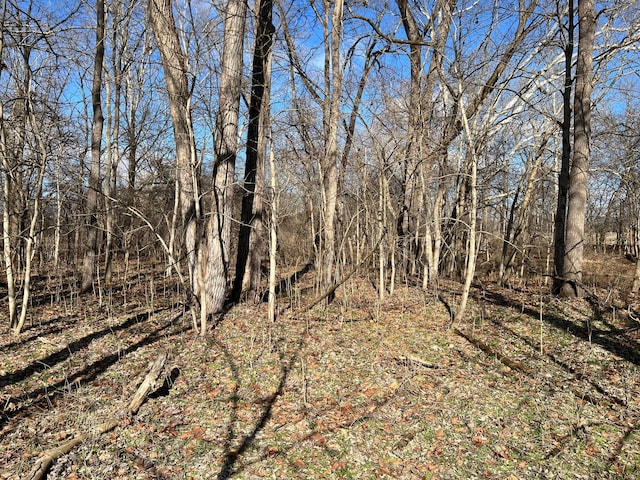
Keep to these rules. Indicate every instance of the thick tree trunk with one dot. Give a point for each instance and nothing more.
(226, 147)
(95, 182)
(413, 147)
(574, 238)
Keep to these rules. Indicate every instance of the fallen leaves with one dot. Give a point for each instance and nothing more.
(323, 400)
(196, 432)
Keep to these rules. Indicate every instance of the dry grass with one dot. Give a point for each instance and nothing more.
(332, 394)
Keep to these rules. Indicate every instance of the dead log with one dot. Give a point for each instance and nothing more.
(515, 365)
(148, 384)
(40, 469)
(512, 364)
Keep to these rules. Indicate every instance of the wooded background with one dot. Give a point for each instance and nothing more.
(419, 140)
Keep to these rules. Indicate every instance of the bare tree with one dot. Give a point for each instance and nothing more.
(226, 147)
(333, 24)
(175, 71)
(565, 160)
(7, 189)
(251, 217)
(574, 238)
(95, 182)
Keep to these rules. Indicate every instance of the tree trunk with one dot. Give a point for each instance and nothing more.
(95, 183)
(574, 238)
(635, 286)
(6, 223)
(329, 161)
(251, 216)
(174, 63)
(31, 243)
(226, 147)
(6, 196)
(273, 238)
(563, 179)
(471, 185)
(413, 153)
(113, 156)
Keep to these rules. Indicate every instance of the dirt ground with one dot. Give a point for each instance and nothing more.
(524, 386)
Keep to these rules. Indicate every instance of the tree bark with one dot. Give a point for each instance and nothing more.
(31, 243)
(175, 70)
(251, 216)
(273, 238)
(226, 146)
(329, 161)
(565, 161)
(413, 147)
(6, 191)
(95, 182)
(574, 238)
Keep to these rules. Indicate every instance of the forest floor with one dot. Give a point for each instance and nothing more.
(524, 386)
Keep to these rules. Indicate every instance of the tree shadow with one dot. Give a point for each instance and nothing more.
(286, 284)
(44, 396)
(64, 353)
(233, 455)
(169, 380)
(614, 341)
(50, 330)
(617, 449)
(563, 365)
(366, 413)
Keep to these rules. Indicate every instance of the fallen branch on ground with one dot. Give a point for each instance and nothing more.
(515, 365)
(512, 364)
(148, 384)
(40, 469)
(407, 359)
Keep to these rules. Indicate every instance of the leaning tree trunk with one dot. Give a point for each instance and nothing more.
(89, 264)
(174, 63)
(574, 238)
(31, 244)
